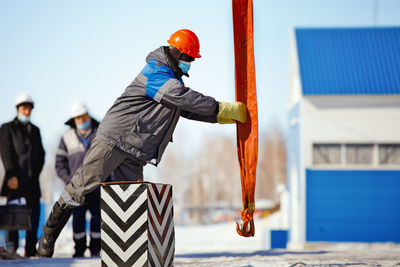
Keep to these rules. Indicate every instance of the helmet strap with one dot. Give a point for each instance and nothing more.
(173, 62)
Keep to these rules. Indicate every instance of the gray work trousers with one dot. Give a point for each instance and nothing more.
(100, 160)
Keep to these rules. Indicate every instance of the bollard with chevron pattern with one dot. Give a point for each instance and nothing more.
(137, 227)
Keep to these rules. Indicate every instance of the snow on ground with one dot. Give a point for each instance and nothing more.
(220, 237)
(220, 245)
(337, 254)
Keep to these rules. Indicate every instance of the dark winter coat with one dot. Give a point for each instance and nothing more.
(22, 154)
(71, 150)
(142, 120)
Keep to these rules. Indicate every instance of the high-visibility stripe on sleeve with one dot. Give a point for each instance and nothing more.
(164, 88)
(61, 152)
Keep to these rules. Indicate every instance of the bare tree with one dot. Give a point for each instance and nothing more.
(271, 163)
(210, 179)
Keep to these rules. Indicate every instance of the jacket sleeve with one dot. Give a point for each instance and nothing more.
(169, 91)
(62, 168)
(177, 95)
(8, 154)
(197, 117)
(41, 154)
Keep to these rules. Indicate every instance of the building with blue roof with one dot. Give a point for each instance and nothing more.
(344, 135)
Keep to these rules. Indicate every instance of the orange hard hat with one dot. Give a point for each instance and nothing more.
(186, 41)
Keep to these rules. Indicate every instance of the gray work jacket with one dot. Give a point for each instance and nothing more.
(142, 120)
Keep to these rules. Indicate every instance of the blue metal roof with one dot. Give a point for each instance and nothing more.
(349, 61)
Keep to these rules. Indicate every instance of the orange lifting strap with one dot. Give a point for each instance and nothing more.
(247, 133)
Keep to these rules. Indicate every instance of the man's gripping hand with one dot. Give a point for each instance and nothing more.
(231, 112)
(12, 183)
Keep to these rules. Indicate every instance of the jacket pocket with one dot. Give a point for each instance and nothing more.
(153, 126)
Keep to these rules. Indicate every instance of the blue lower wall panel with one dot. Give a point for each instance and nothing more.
(279, 238)
(353, 205)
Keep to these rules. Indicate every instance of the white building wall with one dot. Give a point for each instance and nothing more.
(296, 209)
(349, 119)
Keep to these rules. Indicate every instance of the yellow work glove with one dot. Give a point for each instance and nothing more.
(231, 112)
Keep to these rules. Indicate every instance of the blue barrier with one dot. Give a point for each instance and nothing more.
(279, 238)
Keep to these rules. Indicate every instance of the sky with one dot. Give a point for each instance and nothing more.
(62, 51)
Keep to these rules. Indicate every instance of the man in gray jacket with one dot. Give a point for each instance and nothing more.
(137, 128)
(72, 148)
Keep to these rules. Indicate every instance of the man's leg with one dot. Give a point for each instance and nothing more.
(101, 159)
(93, 203)
(12, 237)
(79, 231)
(31, 235)
(12, 240)
(130, 169)
(99, 162)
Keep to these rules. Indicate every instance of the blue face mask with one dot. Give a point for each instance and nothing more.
(23, 119)
(84, 126)
(184, 65)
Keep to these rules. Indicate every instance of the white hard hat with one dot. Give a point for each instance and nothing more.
(23, 98)
(78, 109)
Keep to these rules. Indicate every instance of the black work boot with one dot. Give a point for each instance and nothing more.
(55, 223)
(95, 246)
(80, 247)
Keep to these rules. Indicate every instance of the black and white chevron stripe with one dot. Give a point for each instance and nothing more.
(161, 225)
(137, 226)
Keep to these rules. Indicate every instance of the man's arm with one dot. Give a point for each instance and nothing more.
(62, 167)
(197, 117)
(204, 108)
(7, 151)
(172, 93)
(177, 95)
(41, 155)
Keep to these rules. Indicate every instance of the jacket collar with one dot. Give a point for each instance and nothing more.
(163, 56)
(20, 123)
(71, 123)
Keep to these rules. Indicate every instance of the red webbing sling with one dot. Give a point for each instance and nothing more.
(247, 133)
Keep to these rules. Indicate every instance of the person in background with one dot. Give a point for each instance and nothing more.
(22, 154)
(73, 146)
(138, 127)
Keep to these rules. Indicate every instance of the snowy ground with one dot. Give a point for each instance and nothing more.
(219, 245)
(333, 255)
(320, 255)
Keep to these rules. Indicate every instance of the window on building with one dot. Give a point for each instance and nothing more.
(359, 154)
(326, 153)
(389, 154)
